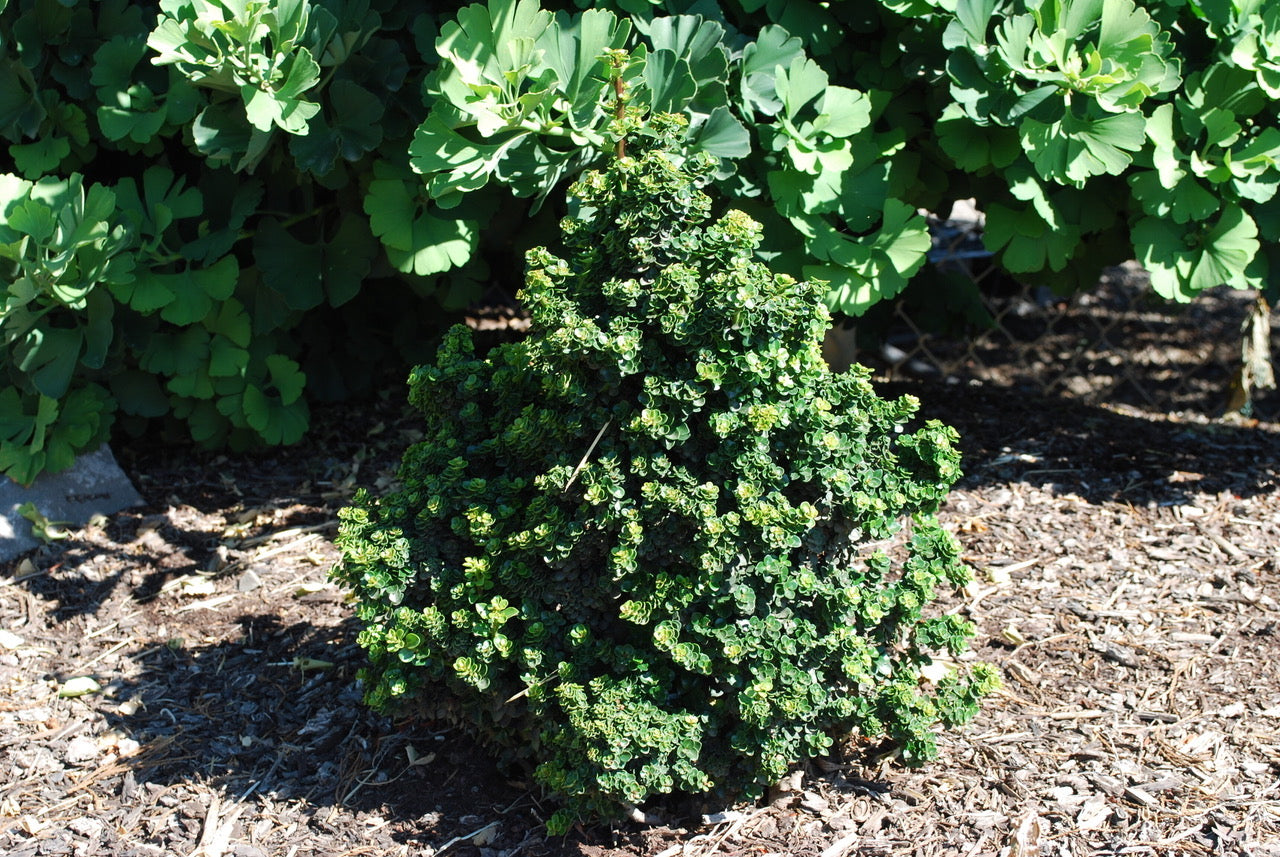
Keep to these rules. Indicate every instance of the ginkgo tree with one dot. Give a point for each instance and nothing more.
(285, 200)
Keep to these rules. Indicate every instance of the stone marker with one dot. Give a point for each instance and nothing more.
(94, 485)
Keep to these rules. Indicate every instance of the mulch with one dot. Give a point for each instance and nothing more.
(1127, 570)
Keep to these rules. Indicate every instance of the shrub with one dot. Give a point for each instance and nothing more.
(648, 548)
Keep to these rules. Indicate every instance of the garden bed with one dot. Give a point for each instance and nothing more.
(1126, 584)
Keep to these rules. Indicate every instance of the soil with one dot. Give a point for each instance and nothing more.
(1126, 585)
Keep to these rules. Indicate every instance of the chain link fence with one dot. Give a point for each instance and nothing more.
(1120, 343)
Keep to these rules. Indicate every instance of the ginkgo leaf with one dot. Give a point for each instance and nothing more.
(304, 273)
(1184, 260)
(416, 240)
(774, 47)
(1075, 149)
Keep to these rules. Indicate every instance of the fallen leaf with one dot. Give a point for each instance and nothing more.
(305, 664)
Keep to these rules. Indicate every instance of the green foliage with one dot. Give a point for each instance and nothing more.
(324, 171)
(183, 230)
(1093, 130)
(253, 49)
(647, 549)
(1171, 99)
(519, 103)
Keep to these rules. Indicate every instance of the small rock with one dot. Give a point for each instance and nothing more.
(81, 685)
(81, 750)
(246, 850)
(248, 581)
(814, 802)
(9, 640)
(87, 827)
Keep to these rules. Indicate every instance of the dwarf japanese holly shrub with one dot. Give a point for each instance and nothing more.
(645, 550)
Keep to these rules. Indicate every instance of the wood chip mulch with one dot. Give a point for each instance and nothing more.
(181, 679)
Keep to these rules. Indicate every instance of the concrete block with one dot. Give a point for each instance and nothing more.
(94, 485)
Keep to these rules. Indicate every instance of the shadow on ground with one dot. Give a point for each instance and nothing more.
(1146, 460)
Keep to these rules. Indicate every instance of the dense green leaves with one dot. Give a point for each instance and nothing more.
(634, 551)
(1185, 259)
(1106, 88)
(524, 101)
(255, 49)
(166, 285)
(326, 165)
